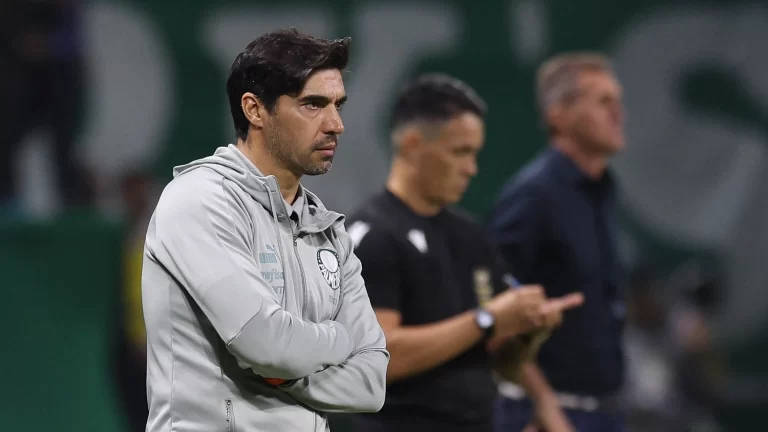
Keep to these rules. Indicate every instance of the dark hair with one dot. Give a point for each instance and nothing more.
(279, 63)
(436, 97)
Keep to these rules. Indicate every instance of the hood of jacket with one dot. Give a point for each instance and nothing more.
(233, 165)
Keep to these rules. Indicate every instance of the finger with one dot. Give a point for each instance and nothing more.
(572, 300)
(564, 303)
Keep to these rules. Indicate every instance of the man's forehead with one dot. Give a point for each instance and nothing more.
(599, 80)
(328, 83)
(466, 129)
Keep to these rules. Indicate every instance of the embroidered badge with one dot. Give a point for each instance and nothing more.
(328, 262)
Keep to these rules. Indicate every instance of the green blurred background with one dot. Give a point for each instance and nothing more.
(694, 182)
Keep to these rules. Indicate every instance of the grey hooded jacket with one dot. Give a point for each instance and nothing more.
(235, 290)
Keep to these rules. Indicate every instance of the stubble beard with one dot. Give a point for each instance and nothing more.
(283, 150)
(318, 169)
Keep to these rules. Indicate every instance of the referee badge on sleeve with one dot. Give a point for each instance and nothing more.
(483, 288)
(328, 261)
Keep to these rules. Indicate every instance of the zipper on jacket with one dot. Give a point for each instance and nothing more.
(303, 277)
(230, 416)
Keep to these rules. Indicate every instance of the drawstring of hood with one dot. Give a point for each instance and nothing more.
(277, 229)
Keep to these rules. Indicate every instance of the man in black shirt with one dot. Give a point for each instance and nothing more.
(555, 224)
(433, 278)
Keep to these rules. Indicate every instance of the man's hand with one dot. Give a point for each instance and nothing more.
(274, 381)
(529, 313)
(509, 351)
(553, 309)
(516, 311)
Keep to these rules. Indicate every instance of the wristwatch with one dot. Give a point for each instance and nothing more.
(486, 321)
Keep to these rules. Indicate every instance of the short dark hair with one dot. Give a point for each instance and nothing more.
(435, 97)
(279, 63)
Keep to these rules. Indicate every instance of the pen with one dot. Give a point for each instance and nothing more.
(510, 281)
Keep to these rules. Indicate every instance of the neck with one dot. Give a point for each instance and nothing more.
(401, 183)
(260, 157)
(592, 164)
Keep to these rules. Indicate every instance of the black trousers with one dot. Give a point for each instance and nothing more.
(401, 423)
(43, 95)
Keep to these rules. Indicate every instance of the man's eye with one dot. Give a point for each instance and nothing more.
(312, 106)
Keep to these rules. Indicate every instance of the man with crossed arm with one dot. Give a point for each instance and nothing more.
(256, 313)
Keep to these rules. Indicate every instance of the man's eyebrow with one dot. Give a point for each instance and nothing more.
(320, 99)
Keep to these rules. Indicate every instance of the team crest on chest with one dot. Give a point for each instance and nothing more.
(328, 261)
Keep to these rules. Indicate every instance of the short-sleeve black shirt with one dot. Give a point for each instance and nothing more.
(430, 269)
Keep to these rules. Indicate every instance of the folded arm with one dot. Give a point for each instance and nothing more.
(358, 384)
(202, 237)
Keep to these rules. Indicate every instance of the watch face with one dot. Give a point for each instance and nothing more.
(484, 319)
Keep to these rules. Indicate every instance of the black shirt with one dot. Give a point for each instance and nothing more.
(558, 228)
(430, 269)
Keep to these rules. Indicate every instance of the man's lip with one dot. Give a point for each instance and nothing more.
(330, 147)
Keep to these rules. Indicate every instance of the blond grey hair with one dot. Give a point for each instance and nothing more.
(557, 78)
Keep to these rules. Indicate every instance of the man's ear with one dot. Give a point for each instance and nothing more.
(409, 140)
(555, 116)
(253, 109)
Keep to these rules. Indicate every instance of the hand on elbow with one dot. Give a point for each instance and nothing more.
(275, 382)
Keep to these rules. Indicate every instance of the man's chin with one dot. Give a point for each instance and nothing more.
(453, 198)
(613, 148)
(615, 144)
(318, 169)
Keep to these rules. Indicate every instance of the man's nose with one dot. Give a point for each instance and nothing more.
(618, 113)
(470, 168)
(333, 123)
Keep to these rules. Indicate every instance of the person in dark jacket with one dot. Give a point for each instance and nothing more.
(555, 223)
